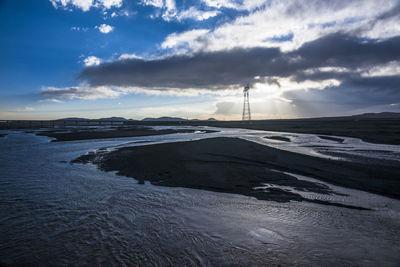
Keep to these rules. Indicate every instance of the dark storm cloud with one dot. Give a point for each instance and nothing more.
(395, 11)
(340, 50)
(203, 70)
(356, 93)
(218, 70)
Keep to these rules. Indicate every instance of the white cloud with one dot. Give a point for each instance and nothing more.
(226, 107)
(221, 3)
(51, 100)
(104, 28)
(78, 29)
(235, 4)
(390, 69)
(91, 61)
(121, 13)
(186, 41)
(167, 10)
(128, 56)
(155, 3)
(384, 28)
(110, 3)
(81, 92)
(289, 24)
(85, 5)
(25, 109)
(167, 7)
(170, 11)
(195, 14)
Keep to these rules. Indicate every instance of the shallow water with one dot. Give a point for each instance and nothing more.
(56, 213)
(309, 144)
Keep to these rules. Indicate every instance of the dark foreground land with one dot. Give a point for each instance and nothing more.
(234, 165)
(98, 133)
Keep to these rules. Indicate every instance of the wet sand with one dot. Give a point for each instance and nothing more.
(233, 165)
(98, 133)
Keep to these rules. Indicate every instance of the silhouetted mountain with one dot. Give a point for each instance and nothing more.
(211, 119)
(101, 119)
(113, 119)
(381, 115)
(164, 119)
(72, 119)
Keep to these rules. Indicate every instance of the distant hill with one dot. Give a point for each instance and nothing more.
(381, 115)
(73, 119)
(164, 119)
(174, 119)
(113, 119)
(101, 119)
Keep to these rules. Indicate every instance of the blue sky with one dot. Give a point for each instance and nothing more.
(150, 58)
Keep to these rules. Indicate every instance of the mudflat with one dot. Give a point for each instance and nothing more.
(233, 165)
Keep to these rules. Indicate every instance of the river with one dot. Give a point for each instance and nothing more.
(56, 213)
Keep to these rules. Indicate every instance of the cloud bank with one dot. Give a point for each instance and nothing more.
(336, 56)
(353, 70)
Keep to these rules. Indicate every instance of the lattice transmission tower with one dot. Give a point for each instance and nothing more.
(246, 116)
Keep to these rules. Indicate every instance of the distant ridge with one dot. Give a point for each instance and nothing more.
(174, 119)
(113, 119)
(380, 115)
(101, 119)
(164, 119)
(73, 119)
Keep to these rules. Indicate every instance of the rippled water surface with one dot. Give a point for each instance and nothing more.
(56, 213)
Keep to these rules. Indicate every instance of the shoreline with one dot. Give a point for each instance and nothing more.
(233, 165)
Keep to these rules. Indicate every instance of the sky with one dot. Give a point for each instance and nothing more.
(191, 59)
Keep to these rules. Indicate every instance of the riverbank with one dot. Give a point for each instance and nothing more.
(233, 165)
